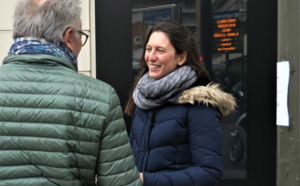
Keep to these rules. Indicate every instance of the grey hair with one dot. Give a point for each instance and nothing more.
(48, 20)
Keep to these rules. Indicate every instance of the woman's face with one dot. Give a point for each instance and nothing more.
(160, 56)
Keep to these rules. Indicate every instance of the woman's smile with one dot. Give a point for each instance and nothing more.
(160, 55)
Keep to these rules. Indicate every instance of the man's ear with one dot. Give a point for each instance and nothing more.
(69, 38)
(182, 58)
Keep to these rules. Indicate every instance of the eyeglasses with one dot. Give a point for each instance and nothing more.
(83, 39)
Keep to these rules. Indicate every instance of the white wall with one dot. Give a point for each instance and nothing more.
(86, 59)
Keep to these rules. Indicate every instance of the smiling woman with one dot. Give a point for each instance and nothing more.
(177, 111)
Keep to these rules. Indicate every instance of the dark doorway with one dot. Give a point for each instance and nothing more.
(114, 65)
(113, 46)
(261, 95)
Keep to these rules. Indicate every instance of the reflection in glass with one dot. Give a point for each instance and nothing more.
(228, 69)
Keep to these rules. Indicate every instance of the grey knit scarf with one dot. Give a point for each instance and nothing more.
(150, 93)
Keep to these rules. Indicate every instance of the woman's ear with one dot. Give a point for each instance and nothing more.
(182, 58)
(69, 38)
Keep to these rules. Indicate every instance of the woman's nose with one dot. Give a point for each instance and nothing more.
(152, 56)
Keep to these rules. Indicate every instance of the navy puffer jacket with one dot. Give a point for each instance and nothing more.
(180, 143)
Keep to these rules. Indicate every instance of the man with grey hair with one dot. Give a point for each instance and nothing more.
(58, 127)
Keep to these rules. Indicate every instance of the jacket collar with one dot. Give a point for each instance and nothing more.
(37, 59)
(208, 95)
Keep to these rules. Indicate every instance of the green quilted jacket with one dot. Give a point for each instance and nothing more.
(59, 127)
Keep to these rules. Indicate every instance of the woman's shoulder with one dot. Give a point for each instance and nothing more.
(211, 95)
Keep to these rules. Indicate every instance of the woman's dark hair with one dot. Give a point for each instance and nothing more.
(183, 41)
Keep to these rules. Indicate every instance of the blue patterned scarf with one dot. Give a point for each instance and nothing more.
(30, 45)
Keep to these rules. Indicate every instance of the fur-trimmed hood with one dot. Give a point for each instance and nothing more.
(209, 95)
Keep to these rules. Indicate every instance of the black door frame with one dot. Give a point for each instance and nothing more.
(261, 95)
(113, 46)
